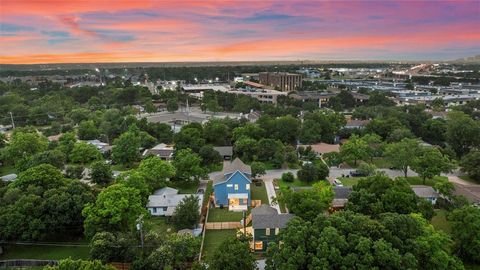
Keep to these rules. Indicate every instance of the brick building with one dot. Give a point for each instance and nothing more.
(281, 80)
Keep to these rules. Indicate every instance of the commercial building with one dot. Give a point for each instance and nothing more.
(281, 80)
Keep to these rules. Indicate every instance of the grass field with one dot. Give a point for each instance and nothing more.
(259, 192)
(295, 183)
(9, 169)
(349, 181)
(158, 224)
(44, 252)
(213, 239)
(440, 222)
(223, 215)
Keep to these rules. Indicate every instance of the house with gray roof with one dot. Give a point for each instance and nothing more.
(164, 201)
(425, 192)
(266, 225)
(340, 198)
(225, 151)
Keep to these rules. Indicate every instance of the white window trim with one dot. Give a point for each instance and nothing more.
(267, 231)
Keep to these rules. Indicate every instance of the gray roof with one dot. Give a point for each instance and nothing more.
(265, 216)
(168, 200)
(231, 167)
(424, 191)
(236, 165)
(224, 150)
(342, 192)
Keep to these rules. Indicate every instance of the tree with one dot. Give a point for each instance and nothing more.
(288, 177)
(466, 232)
(188, 165)
(52, 157)
(136, 180)
(66, 143)
(110, 247)
(378, 194)
(313, 172)
(348, 240)
(23, 145)
(186, 214)
(367, 169)
(87, 130)
(233, 254)
(213, 106)
(470, 164)
(433, 131)
(374, 144)
(189, 137)
(249, 130)
(116, 209)
(308, 203)
(246, 148)
(402, 154)
(217, 133)
(74, 171)
(126, 147)
(209, 155)
(85, 153)
(172, 105)
(321, 125)
(177, 252)
(462, 132)
(101, 173)
(70, 264)
(258, 169)
(354, 149)
(156, 172)
(431, 162)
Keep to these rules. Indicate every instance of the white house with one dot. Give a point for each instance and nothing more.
(425, 192)
(164, 201)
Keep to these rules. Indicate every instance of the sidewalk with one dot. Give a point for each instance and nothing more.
(271, 193)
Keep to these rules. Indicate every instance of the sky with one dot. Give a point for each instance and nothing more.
(81, 31)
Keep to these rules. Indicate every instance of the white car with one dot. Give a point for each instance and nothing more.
(337, 183)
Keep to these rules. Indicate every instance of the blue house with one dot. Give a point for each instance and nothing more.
(232, 186)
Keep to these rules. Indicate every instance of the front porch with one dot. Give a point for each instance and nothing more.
(238, 202)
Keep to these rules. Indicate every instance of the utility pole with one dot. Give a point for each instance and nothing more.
(140, 228)
(11, 118)
(244, 223)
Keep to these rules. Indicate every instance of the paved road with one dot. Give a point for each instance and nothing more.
(338, 172)
(271, 194)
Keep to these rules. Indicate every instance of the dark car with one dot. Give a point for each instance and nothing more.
(357, 173)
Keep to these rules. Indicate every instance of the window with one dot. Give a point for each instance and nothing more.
(247, 186)
(229, 185)
(267, 231)
(277, 230)
(154, 210)
(236, 187)
(258, 245)
(165, 209)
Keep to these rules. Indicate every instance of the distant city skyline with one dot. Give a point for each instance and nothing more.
(66, 31)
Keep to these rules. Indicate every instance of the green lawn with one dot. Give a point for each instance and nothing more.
(208, 192)
(416, 180)
(259, 192)
(189, 187)
(281, 204)
(213, 239)
(44, 252)
(440, 222)
(349, 181)
(223, 215)
(158, 224)
(381, 162)
(295, 183)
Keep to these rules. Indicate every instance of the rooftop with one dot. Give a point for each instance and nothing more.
(265, 216)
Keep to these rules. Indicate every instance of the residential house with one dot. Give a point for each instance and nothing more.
(425, 192)
(266, 225)
(356, 124)
(103, 147)
(322, 148)
(164, 201)
(225, 151)
(163, 151)
(340, 198)
(232, 186)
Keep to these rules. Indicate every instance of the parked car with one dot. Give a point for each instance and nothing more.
(338, 183)
(357, 173)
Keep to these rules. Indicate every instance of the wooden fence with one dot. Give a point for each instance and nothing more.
(223, 225)
(120, 266)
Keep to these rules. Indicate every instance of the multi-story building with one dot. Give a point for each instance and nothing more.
(281, 80)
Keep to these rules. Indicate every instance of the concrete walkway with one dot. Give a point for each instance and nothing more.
(271, 193)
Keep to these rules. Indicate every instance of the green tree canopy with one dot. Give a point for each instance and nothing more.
(23, 145)
(84, 153)
(466, 232)
(471, 164)
(188, 165)
(431, 162)
(186, 214)
(402, 154)
(232, 254)
(101, 173)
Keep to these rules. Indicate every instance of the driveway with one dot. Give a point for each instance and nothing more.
(271, 194)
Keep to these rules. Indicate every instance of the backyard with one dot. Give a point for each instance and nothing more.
(259, 192)
(440, 222)
(223, 215)
(213, 239)
(44, 252)
(158, 224)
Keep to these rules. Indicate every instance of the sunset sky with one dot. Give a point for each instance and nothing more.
(61, 31)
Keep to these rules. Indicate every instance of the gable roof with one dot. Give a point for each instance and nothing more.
(166, 191)
(265, 216)
(236, 165)
(224, 150)
(342, 192)
(222, 178)
(424, 191)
